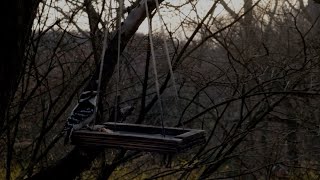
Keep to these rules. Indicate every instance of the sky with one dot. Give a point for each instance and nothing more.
(171, 17)
(174, 19)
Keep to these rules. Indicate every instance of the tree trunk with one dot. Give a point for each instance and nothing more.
(17, 21)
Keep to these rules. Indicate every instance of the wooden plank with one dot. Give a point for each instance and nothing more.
(126, 136)
(140, 137)
(148, 146)
(137, 148)
(81, 139)
(76, 139)
(142, 128)
(129, 145)
(191, 134)
(141, 145)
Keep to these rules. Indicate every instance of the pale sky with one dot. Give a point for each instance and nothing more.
(171, 17)
(174, 19)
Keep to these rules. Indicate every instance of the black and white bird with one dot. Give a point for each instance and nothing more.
(83, 114)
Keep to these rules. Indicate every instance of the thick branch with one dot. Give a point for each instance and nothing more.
(128, 28)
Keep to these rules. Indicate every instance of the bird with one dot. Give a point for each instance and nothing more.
(83, 113)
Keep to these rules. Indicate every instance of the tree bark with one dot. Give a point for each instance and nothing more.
(17, 21)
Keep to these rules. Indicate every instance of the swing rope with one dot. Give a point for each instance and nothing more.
(104, 46)
(165, 45)
(119, 61)
(155, 67)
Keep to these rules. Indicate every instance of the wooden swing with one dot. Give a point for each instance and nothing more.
(139, 137)
(136, 136)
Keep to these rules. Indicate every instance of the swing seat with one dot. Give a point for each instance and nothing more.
(139, 137)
